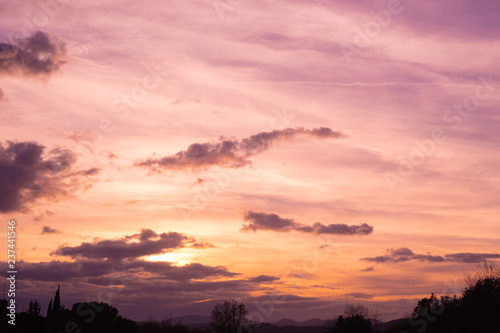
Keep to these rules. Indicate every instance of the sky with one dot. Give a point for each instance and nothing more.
(298, 156)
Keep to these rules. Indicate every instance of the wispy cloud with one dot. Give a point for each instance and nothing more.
(468, 257)
(403, 254)
(359, 295)
(232, 153)
(273, 222)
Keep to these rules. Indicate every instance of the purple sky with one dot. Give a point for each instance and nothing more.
(293, 155)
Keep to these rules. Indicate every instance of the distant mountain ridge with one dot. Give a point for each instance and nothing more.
(287, 325)
(198, 319)
(291, 322)
(191, 320)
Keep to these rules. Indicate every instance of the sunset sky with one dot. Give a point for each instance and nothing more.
(163, 156)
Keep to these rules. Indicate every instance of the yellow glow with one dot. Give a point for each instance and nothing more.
(178, 259)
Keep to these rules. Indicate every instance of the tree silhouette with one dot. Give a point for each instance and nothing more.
(228, 316)
(163, 326)
(34, 308)
(49, 309)
(30, 321)
(4, 312)
(477, 310)
(355, 319)
(57, 302)
(55, 313)
(481, 306)
(96, 317)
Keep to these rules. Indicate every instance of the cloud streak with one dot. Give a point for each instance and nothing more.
(28, 175)
(34, 56)
(233, 153)
(273, 222)
(404, 254)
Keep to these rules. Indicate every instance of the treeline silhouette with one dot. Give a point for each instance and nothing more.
(476, 310)
(86, 317)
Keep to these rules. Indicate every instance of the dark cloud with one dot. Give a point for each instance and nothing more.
(2, 95)
(339, 229)
(28, 175)
(94, 271)
(405, 254)
(152, 280)
(368, 269)
(35, 56)
(300, 274)
(142, 244)
(232, 153)
(263, 279)
(62, 270)
(284, 297)
(269, 221)
(324, 287)
(359, 295)
(170, 272)
(470, 257)
(48, 230)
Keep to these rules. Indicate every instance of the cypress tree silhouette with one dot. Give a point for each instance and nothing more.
(53, 312)
(57, 303)
(49, 309)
